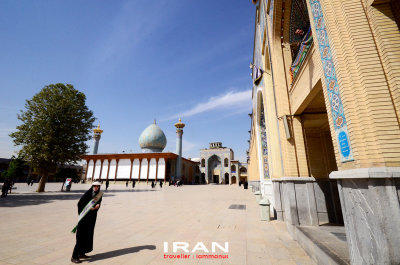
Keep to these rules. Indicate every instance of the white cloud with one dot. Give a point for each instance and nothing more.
(240, 100)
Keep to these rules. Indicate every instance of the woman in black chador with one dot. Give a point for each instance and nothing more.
(85, 231)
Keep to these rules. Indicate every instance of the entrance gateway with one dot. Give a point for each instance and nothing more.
(218, 165)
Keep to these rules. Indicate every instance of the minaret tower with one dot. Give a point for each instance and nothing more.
(179, 131)
(97, 135)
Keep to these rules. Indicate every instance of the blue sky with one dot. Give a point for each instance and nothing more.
(136, 61)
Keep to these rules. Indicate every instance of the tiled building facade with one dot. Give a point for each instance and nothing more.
(217, 165)
(325, 134)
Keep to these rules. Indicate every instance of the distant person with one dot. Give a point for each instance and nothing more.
(126, 184)
(85, 228)
(179, 183)
(32, 181)
(28, 181)
(133, 184)
(10, 185)
(5, 188)
(246, 185)
(107, 184)
(69, 186)
(161, 183)
(152, 184)
(299, 32)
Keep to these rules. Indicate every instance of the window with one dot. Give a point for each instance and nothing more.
(203, 163)
(226, 161)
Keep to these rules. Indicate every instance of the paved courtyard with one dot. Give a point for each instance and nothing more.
(132, 226)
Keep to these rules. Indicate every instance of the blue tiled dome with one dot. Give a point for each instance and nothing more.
(152, 139)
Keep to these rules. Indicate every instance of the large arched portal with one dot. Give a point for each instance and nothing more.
(214, 169)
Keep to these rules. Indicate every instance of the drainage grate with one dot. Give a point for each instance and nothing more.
(237, 206)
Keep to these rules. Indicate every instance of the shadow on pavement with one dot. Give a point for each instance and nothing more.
(16, 200)
(119, 252)
(127, 190)
(27, 199)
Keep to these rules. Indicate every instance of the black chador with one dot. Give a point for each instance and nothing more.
(85, 231)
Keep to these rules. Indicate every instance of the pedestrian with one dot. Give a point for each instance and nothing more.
(161, 183)
(85, 228)
(133, 183)
(107, 183)
(126, 184)
(28, 181)
(32, 181)
(10, 185)
(152, 184)
(5, 188)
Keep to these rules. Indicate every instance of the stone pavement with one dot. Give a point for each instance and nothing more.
(132, 226)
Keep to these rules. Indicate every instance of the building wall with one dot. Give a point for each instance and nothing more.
(368, 92)
(343, 121)
(189, 172)
(363, 43)
(363, 40)
(253, 163)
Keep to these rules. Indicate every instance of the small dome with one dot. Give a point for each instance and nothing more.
(152, 139)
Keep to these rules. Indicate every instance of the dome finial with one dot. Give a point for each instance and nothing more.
(98, 130)
(179, 124)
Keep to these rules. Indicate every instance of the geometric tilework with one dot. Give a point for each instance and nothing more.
(339, 119)
(264, 143)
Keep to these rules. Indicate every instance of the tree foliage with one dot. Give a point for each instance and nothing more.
(65, 173)
(15, 168)
(56, 124)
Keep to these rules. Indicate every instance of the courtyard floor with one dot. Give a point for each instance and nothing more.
(132, 226)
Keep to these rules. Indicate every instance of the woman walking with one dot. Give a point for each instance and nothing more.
(85, 229)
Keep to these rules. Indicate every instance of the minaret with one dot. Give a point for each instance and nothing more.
(179, 131)
(96, 135)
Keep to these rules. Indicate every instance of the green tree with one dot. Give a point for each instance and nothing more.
(56, 124)
(65, 173)
(15, 168)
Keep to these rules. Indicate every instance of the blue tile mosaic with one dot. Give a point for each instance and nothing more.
(339, 119)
